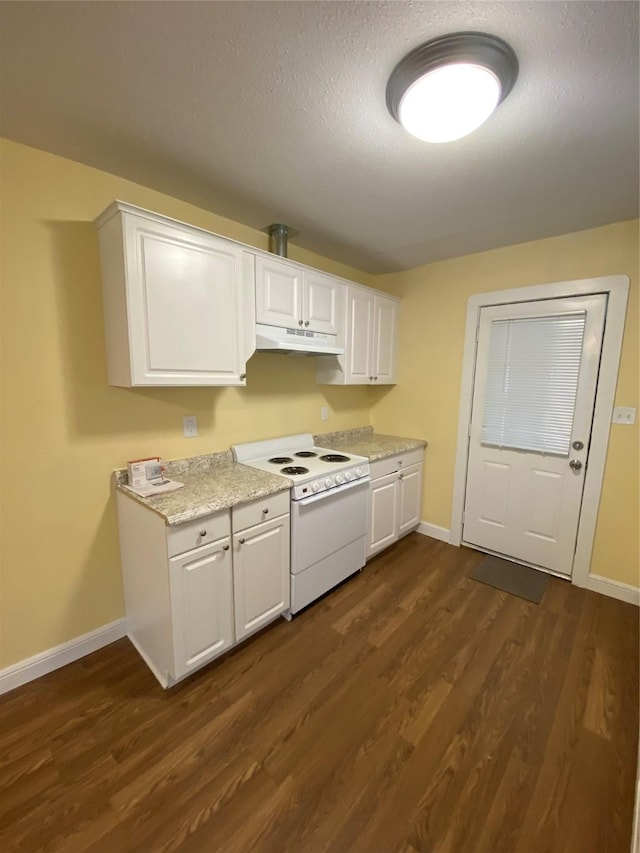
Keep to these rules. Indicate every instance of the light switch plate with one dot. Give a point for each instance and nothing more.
(324, 413)
(624, 415)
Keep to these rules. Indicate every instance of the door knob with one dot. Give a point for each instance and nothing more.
(575, 464)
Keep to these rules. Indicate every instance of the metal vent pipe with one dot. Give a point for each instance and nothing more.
(278, 237)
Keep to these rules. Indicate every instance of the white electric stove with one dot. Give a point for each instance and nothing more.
(329, 499)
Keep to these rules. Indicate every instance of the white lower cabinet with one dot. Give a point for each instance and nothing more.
(193, 591)
(260, 574)
(201, 591)
(395, 499)
(383, 513)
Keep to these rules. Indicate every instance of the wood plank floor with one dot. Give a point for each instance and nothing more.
(412, 709)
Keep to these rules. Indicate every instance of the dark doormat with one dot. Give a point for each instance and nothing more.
(512, 577)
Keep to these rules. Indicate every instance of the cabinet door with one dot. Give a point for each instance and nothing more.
(278, 293)
(383, 513)
(409, 498)
(260, 574)
(184, 294)
(323, 306)
(359, 344)
(201, 605)
(384, 340)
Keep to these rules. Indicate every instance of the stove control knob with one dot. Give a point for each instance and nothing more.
(328, 482)
(348, 476)
(358, 472)
(315, 487)
(339, 479)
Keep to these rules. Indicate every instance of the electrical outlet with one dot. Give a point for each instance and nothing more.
(190, 426)
(624, 415)
(324, 413)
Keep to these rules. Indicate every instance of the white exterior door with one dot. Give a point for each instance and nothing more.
(534, 391)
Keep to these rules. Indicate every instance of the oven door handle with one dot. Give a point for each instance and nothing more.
(334, 491)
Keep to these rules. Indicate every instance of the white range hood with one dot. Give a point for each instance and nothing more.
(295, 341)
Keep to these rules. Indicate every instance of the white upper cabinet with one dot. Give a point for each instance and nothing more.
(322, 302)
(370, 339)
(179, 301)
(278, 293)
(383, 351)
(290, 296)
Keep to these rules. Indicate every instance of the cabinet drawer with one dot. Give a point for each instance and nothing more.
(262, 509)
(201, 531)
(382, 467)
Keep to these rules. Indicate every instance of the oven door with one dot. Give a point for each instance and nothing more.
(326, 523)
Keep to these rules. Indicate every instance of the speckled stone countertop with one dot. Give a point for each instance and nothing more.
(214, 481)
(211, 483)
(365, 442)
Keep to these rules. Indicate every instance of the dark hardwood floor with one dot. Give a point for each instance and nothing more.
(412, 709)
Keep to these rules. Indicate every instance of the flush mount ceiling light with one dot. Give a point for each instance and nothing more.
(449, 86)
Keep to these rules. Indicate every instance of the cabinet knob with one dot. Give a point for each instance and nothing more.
(371, 379)
(299, 322)
(202, 533)
(306, 322)
(243, 376)
(401, 477)
(225, 547)
(265, 511)
(242, 541)
(375, 378)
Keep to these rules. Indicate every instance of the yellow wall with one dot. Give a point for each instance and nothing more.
(64, 429)
(425, 401)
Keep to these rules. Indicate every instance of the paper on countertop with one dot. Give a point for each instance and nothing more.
(149, 490)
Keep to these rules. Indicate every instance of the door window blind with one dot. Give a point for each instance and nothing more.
(532, 380)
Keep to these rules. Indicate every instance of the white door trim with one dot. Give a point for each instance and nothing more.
(617, 289)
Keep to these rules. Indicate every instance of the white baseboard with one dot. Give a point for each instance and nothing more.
(614, 589)
(435, 532)
(45, 662)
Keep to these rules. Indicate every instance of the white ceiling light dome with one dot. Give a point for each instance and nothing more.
(446, 88)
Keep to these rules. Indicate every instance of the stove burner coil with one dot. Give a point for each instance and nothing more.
(281, 460)
(334, 457)
(294, 469)
(305, 454)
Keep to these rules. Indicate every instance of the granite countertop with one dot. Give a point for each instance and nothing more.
(211, 483)
(365, 442)
(214, 481)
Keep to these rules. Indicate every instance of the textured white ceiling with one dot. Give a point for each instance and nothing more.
(275, 111)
